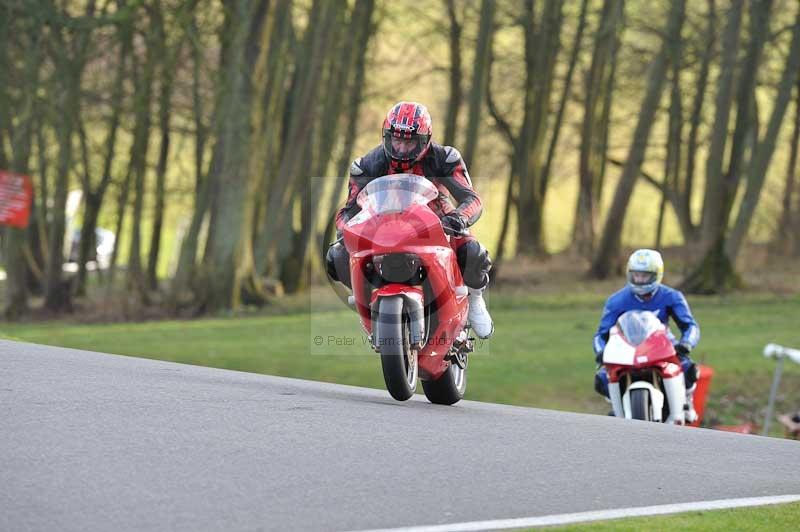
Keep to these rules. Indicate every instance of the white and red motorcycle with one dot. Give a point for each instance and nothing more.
(645, 378)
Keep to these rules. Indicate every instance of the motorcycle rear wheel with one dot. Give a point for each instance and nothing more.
(640, 405)
(398, 360)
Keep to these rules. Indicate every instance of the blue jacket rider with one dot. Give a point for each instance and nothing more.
(644, 291)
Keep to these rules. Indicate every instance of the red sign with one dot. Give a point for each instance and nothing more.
(16, 194)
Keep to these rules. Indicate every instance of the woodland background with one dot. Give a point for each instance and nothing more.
(198, 131)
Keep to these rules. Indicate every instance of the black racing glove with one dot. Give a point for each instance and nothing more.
(683, 349)
(454, 224)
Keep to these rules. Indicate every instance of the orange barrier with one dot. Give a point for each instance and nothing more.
(746, 428)
(701, 392)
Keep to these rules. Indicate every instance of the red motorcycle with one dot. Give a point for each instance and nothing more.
(644, 370)
(408, 289)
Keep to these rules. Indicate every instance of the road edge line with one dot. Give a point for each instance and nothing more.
(598, 515)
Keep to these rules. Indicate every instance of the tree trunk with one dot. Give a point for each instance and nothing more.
(278, 102)
(455, 97)
(70, 61)
(170, 56)
(185, 269)
(6, 16)
(362, 19)
(745, 131)
(56, 293)
(683, 208)
(93, 198)
(609, 248)
(477, 91)
(787, 239)
(500, 252)
(14, 240)
(301, 122)
(160, 192)
(672, 161)
(122, 208)
(245, 20)
(13, 243)
(715, 272)
(143, 84)
(87, 242)
(542, 48)
(594, 128)
(332, 106)
(513, 142)
(713, 199)
(565, 91)
(43, 195)
(757, 171)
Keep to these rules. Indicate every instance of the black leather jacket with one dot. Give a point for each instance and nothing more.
(442, 165)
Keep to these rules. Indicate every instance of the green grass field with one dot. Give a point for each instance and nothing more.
(773, 518)
(540, 355)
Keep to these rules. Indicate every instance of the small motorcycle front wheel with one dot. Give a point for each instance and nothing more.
(399, 361)
(640, 405)
(449, 388)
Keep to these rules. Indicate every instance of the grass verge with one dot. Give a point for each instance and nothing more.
(540, 355)
(773, 518)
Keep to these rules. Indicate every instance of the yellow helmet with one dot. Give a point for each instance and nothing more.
(645, 271)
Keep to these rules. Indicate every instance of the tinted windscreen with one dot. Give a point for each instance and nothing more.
(638, 325)
(396, 193)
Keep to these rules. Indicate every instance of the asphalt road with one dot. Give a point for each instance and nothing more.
(101, 442)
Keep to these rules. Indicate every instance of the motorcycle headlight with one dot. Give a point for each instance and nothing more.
(397, 267)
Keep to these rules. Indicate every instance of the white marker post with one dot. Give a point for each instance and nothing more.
(779, 352)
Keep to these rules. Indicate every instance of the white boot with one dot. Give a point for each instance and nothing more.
(479, 318)
(690, 414)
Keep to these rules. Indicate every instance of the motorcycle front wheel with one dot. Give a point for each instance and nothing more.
(399, 361)
(640, 405)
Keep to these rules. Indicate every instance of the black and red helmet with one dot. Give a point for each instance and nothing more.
(407, 132)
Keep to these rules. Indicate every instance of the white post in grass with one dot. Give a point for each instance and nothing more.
(780, 353)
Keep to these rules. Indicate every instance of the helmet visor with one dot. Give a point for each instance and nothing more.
(404, 146)
(642, 278)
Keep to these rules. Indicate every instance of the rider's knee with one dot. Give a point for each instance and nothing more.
(475, 264)
(689, 371)
(337, 264)
(601, 382)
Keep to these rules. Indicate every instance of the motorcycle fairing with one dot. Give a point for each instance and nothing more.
(416, 230)
(655, 349)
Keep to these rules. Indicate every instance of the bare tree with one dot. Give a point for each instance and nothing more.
(455, 73)
(93, 195)
(292, 173)
(757, 171)
(541, 50)
(715, 271)
(70, 51)
(180, 292)
(609, 248)
(787, 237)
(685, 188)
(170, 55)
(479, 79)
(244, 22)
(362, 31)
(594, 128)
(143, 80)
(19, 131)
(713, 200)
